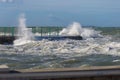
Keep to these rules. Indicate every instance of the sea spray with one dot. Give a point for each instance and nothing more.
(73, 30)
(76, 30)
(24, 34)
(90, 33)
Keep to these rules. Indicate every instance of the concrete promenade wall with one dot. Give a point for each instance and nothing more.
(90, 73)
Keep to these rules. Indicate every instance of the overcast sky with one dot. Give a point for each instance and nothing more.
(61, 12)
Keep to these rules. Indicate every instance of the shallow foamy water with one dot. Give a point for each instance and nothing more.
(62, 53)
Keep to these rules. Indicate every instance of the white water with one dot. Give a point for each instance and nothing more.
(93, 50)
(93, 43)
(24, 34)
(76, 30)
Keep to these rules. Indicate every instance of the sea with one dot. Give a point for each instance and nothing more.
(100, 46)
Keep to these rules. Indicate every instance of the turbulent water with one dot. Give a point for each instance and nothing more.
(103, 50)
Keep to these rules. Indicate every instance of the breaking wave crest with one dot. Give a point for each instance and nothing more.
(76, 30)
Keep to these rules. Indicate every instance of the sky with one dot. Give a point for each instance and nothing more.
(61, 12)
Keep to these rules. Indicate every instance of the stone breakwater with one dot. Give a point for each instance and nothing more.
(10, 39)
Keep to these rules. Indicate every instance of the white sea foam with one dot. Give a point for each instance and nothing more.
(87, 46)
(70, 48)
(62, 53)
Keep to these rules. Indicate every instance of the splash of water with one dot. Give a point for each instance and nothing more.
(24, 35)
(73, 30)
(76, 30)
